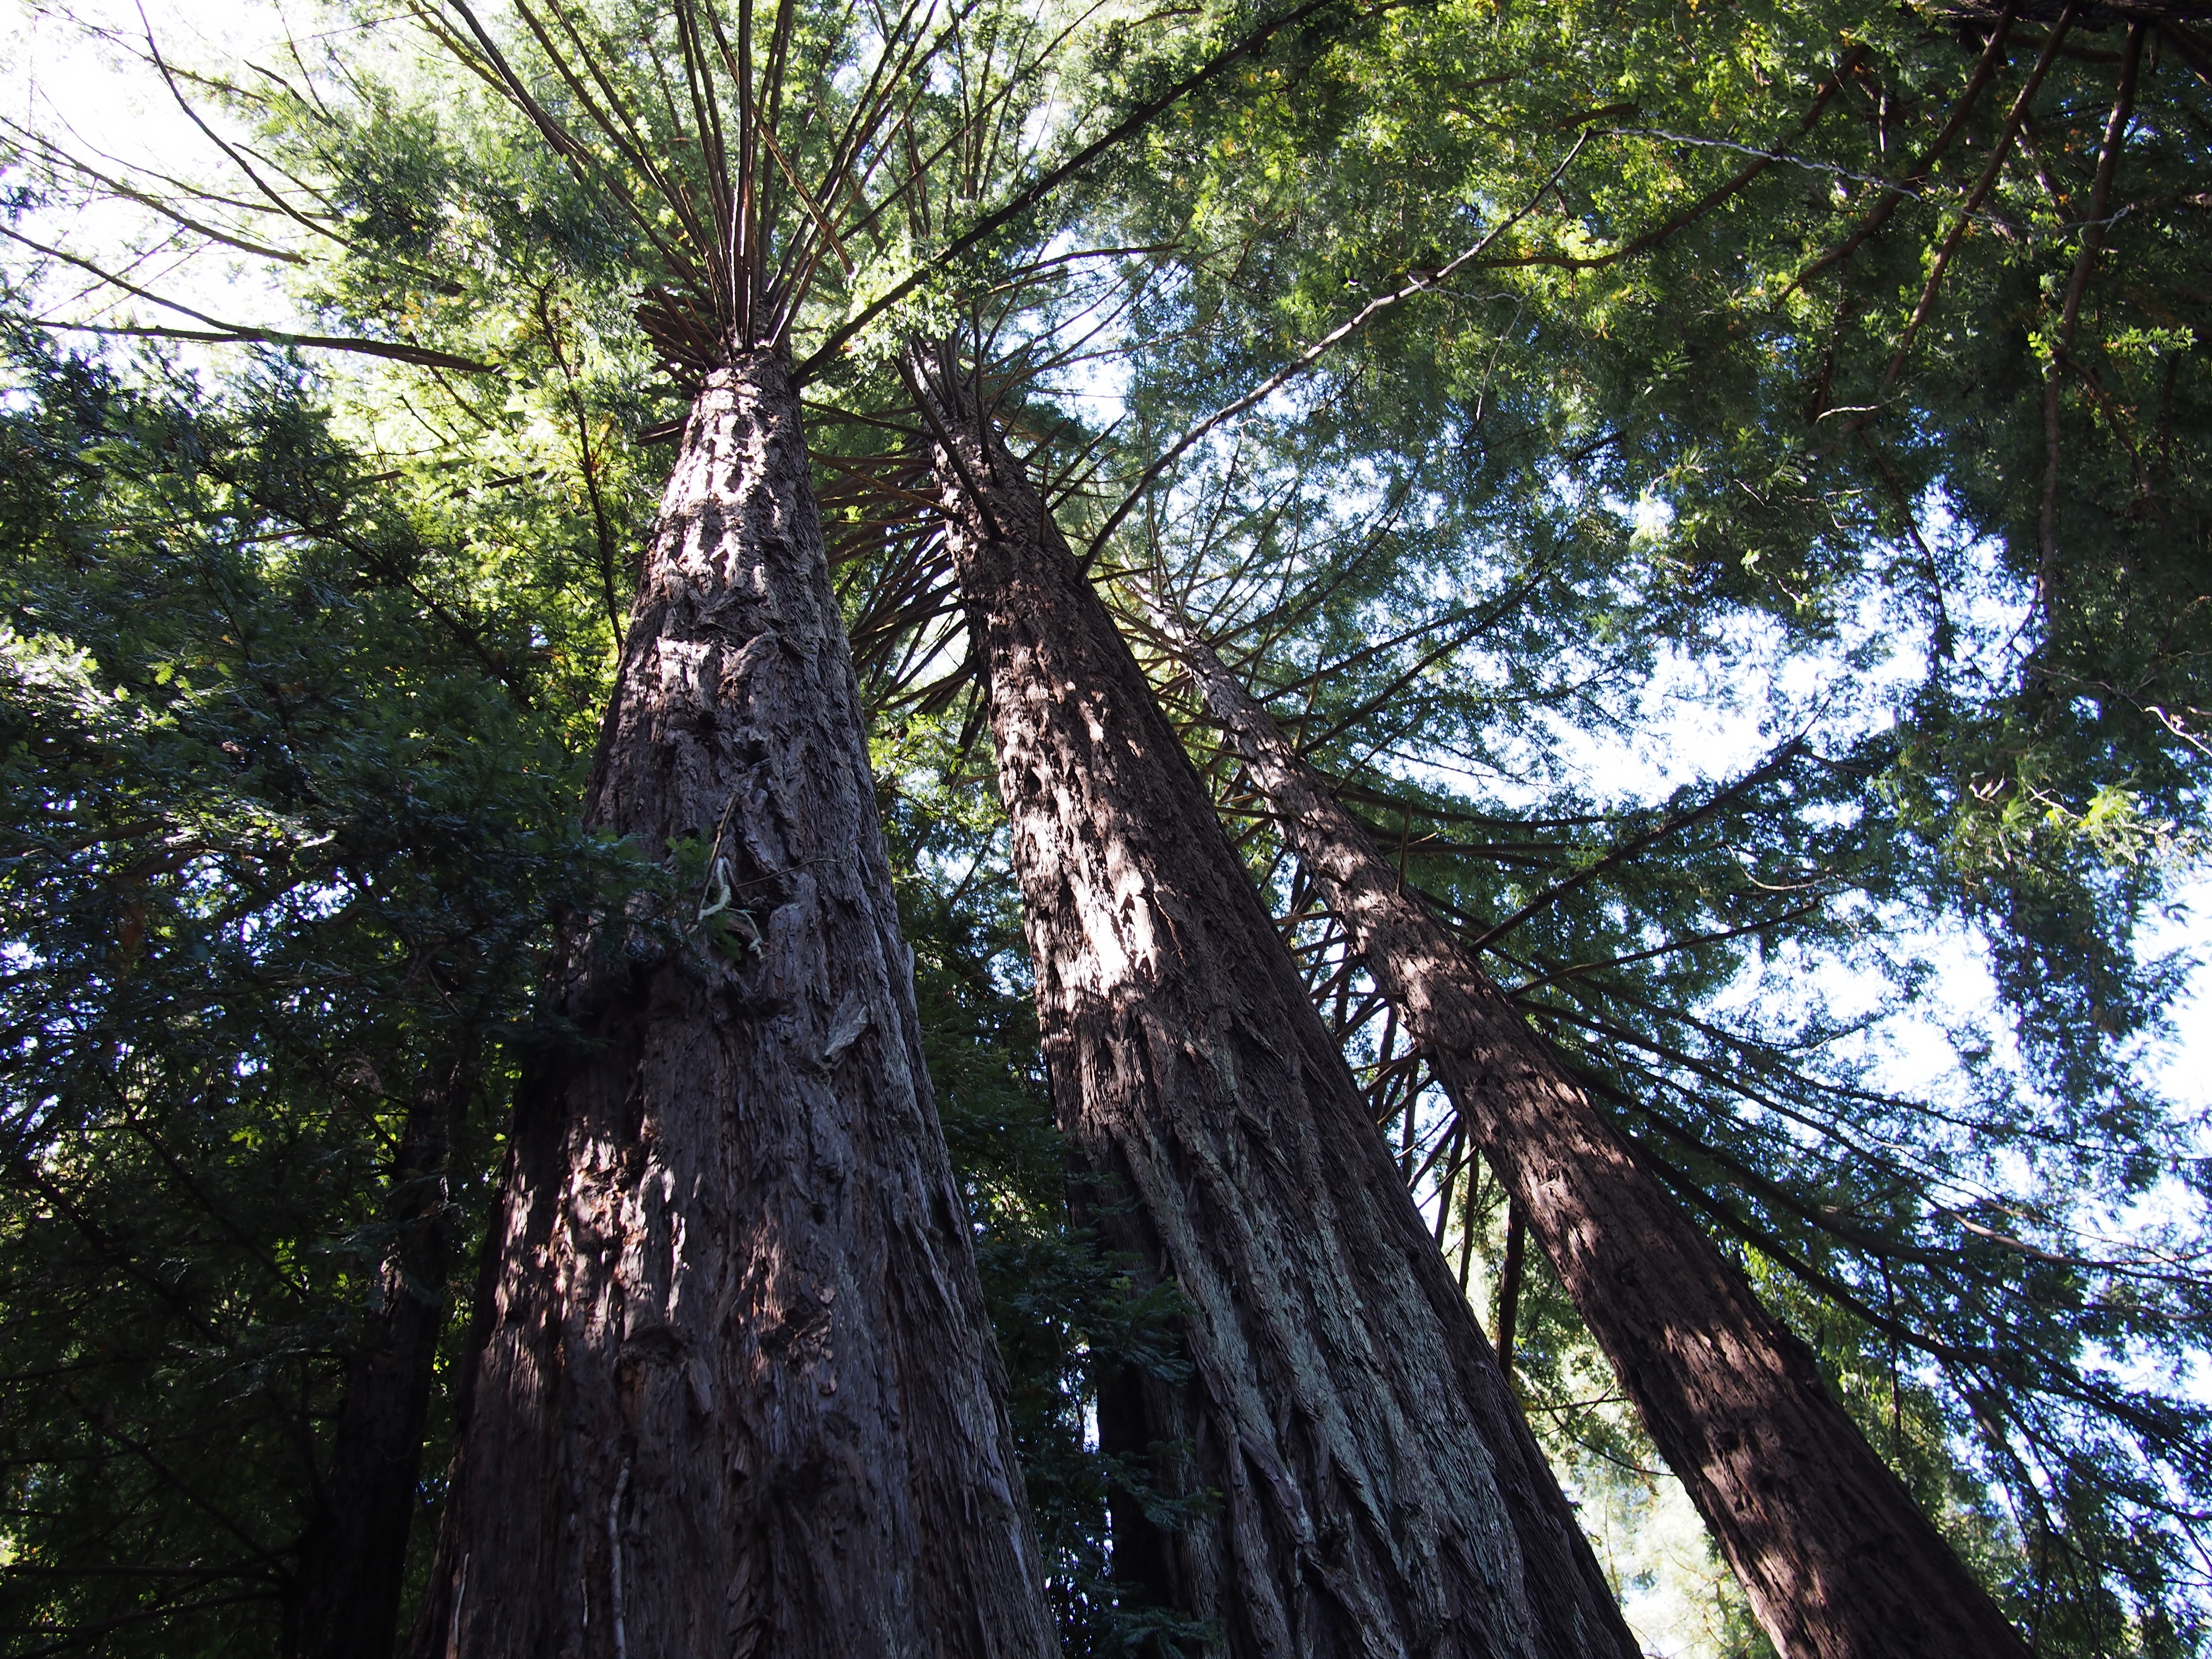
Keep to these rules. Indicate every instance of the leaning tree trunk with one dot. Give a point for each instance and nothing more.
(1379, 1493)
(1838, 1559)
(353, 1562)
(736, 1393)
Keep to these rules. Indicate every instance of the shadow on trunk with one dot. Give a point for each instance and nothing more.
(736, 1392)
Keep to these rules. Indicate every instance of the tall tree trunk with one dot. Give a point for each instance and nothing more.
(353, 1562)
(1838, 1559)
(1378, 1492)
(736, 1392)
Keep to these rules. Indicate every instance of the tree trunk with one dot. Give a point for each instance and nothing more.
(1508, 1282)
(736, 1393)
(1376, 1490)
(1838, 1559)
(352, 1561)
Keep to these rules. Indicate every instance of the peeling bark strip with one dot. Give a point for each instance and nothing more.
(738, 1393)
(1838, 1559)
(1379, 1493)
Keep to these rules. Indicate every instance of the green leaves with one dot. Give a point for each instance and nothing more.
(281, 849)
(1710, 508)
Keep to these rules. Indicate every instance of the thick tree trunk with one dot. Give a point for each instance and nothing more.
(736, 1393)
(345, 1600)
(1838, 1559)
(1379, 1493)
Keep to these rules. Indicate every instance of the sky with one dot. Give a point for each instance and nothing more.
(71, 71)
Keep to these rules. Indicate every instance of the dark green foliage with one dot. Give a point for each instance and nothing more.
(1808, 466)
(2003, 764)
(282, 836)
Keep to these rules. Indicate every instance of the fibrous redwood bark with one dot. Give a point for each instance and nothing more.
(1377, 1491)
(1838, 1559)
(736, 1393)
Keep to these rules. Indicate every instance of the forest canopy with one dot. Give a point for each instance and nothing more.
(516, 703)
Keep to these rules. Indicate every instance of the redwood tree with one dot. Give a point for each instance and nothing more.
(735, 1391)
(1837, 1558)
(1377, 1488)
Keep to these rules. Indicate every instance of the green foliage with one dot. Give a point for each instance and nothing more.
(1659, 328)
(283, 834)
(1615, 488)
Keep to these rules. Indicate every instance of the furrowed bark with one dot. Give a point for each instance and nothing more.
(1838, 1561)
(345, 1600)
(1378, 1492)
(736, 1393)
